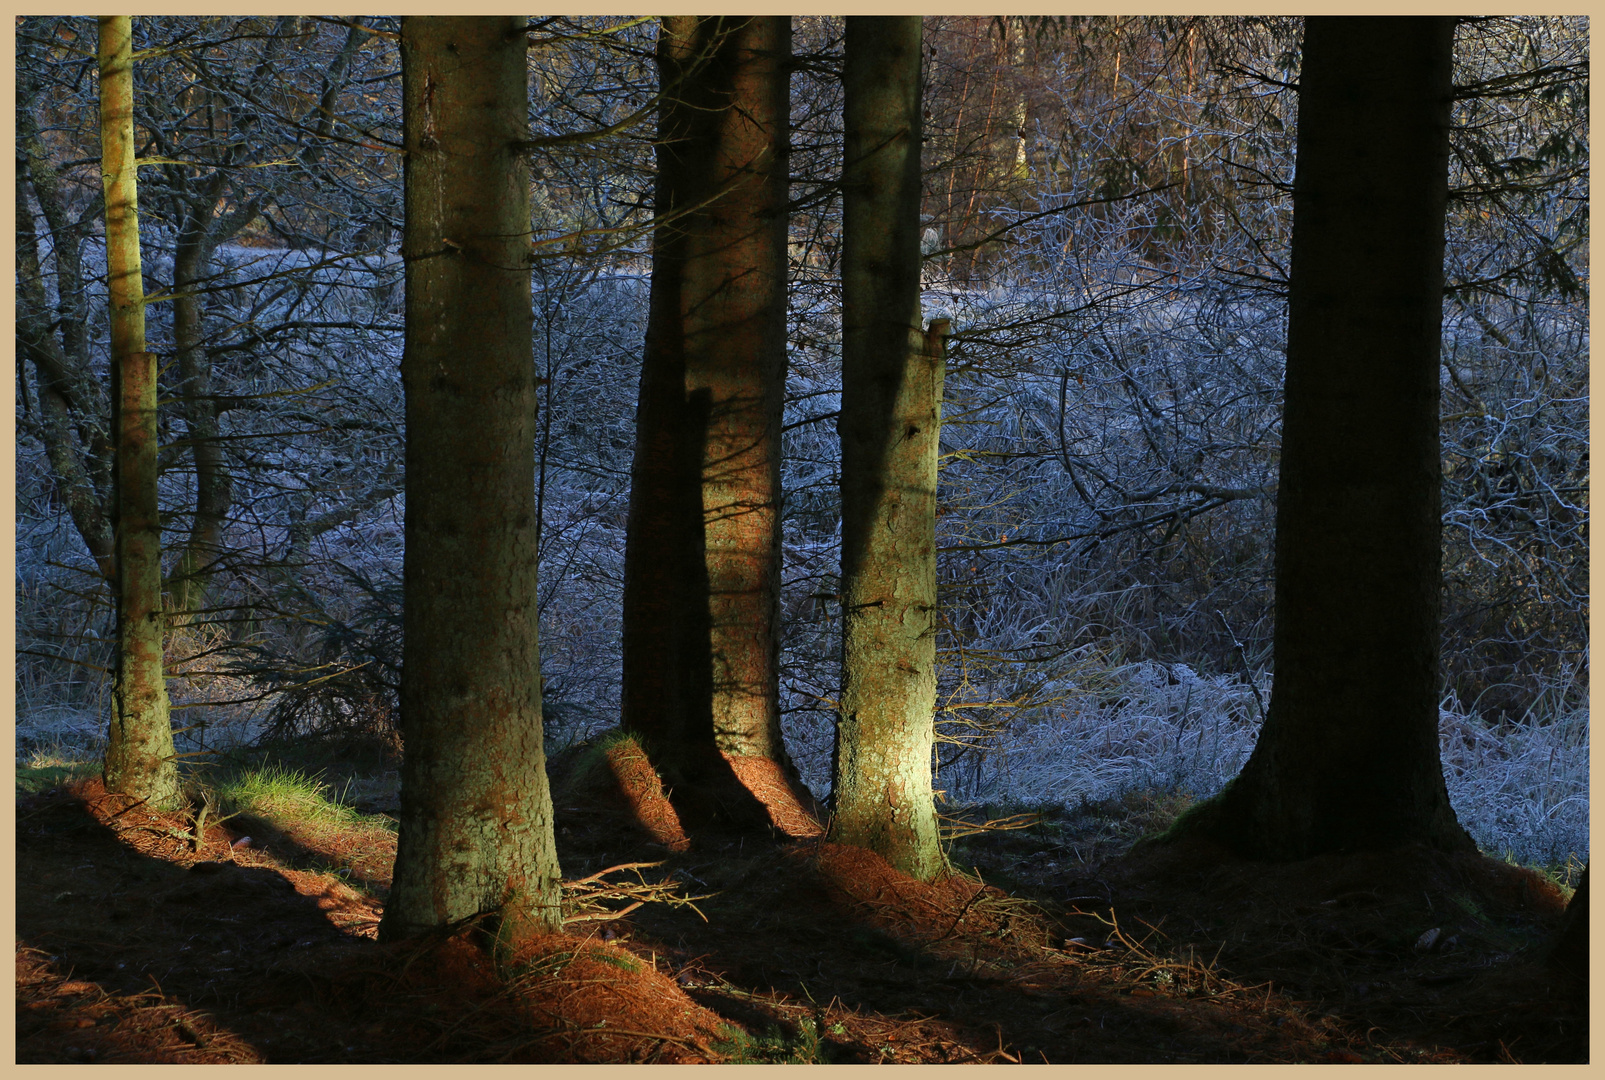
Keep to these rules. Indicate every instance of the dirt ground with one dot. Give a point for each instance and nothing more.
(1054, 944)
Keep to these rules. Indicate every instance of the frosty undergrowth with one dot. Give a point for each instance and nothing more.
(1521, 791)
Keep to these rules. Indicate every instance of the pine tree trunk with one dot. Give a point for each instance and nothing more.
(476, 815)
(139, 749)
(702, 559)
(890, 426)
(1569, 954)
(1349, 753)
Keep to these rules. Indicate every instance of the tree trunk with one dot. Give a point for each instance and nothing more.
(1569, 954)
(476, 815)
(63, 413)
(140, 758)
(1348, 757)
(213, 490)
(890, 426)
(702, 559)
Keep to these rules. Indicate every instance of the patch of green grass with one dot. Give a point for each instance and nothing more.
(282, 795)
(587, 760)
(1470, 907)
(1151, 813)
(620, 960)
(1182, 817)
(1564, 875)
(32, 778)
(302, 814)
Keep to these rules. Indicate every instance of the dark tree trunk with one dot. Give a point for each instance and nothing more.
(74, 413)
(1570, 952)
(476, 815)
(890, 426)
(213, 489)
(140, 758)
(69, 405)
(702, 559)
(1348, 758)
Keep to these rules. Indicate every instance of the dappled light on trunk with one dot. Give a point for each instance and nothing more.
(139, 749)
(702, 560)
(891, 423)
(475, 836)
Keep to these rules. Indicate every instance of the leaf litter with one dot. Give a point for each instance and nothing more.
(135, 944)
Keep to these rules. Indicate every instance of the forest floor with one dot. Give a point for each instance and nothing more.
(1054, 943)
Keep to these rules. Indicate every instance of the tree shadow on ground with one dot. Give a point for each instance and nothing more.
(99, 907)
(837, 957)
(135, 948)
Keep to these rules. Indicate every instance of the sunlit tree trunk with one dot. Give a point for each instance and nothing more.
(702, 559)
(139, 749)
(890, 425)
(476, 815)
(1348, 757)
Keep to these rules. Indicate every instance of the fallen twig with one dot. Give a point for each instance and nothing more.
(587, 897)
(954, 828)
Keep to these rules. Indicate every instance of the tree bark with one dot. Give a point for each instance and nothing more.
(1348, 758)
(702, 558)
(1569, 954)
(890, 426)
(476, 815)
(140, 759)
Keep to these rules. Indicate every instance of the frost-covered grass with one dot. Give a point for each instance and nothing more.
(1520, 789)
(1156, 729)
(58, 735)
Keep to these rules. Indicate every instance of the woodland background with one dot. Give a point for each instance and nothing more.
(1107, 217)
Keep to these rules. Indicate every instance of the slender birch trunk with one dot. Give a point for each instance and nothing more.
(139, 749)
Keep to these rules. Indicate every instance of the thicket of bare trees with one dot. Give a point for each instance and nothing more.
(1105, 222)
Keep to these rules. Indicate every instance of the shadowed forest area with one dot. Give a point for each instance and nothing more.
(802, 539)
